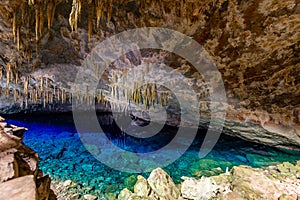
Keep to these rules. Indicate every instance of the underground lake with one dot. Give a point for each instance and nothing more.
(64, 157)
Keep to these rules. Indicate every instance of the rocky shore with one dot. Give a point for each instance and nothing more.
(280, 182)
(20, 177)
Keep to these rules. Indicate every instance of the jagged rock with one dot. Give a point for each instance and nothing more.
(43, 187)
(232, 196)
(89, 197)
(8, 166)
(203, 189)
(286, 197)
(251, 184)
(124, 194)
(137, 197)
(18, 166)
(141, 187)
(19, 188)
(162, 184)
(67, 183)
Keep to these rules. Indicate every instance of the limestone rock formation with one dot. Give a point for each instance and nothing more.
(20, 177)
(202, 189)
(242, 182)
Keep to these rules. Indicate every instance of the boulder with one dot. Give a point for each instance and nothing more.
(125, 194)
(89, 197)
(8, 166)
(203, 189)
(19, 188)
(252, 184)
(20, 177)
(43, 187)
(141, 187)
(162, 184)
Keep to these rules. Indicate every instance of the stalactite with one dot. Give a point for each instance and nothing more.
(1, 73)
(8, 75)
(90, 20)
(30, 2)
(35, 99)
(15, 96)
(37, 20)
(86, 96)
(44, 101)
(51, 6)
(42, 84)
(62, 96)
(41, 19)
(58, 94)
(18, 39)
(153, 94)
(75, 14)
(26, 83)
(47, 97)
(16, 78)
(99, 11)
(51, 97)
(109, 10)
(15, 25)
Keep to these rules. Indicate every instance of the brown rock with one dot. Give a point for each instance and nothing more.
(232, 196)
(19, 188)
(43, 187)
(8, 166)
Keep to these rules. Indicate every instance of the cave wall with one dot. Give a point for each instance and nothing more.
(255, 45)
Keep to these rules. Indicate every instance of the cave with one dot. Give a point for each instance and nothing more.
(149, 99)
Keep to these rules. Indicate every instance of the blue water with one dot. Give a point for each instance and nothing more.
(63, 156)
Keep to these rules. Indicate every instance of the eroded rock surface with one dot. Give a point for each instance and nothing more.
(255, 45)
(20, 177)
(242, 182)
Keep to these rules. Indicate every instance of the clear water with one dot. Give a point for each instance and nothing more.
(63, 156)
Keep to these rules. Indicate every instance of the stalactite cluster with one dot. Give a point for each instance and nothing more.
(29, 90)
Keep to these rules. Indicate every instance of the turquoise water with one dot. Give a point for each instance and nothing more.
(63, 156)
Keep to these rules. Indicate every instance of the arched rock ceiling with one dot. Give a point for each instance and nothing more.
(255, 43)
